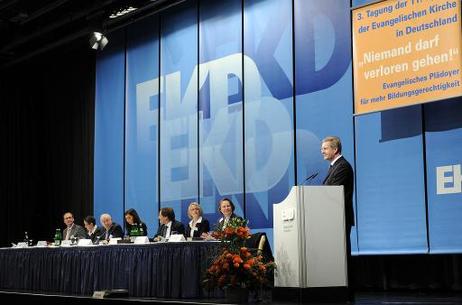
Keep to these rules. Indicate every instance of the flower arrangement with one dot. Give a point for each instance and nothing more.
(234, 234)
(236, 265)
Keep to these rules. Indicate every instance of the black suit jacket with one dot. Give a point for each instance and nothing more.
(202, 227)
(114, 231)
(341, 173)
(176, 227)
(221, 223)
(97, 234)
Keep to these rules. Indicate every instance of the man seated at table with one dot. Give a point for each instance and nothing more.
(112, 229)
(93, 231)
(72, 230)
(168, 225)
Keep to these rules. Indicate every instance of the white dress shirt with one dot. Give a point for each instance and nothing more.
(333, 161)
(193, 227)
(68, 232)
(169, 229)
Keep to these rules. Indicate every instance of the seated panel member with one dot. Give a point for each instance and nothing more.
(198, 224)
(93, 231)
(168, 225)
(72, 229)
(134, 224)
(112, 229)
(226, 208)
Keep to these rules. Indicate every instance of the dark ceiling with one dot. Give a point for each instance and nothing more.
(32, 27)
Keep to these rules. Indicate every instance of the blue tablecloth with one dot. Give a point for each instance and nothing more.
(165, 270)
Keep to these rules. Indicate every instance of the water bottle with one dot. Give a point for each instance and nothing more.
(58, 237)
(26, 238)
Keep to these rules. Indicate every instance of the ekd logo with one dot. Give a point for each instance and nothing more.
(448, 179)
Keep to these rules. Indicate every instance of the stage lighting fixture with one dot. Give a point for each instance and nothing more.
(122, 11)
(98, 41)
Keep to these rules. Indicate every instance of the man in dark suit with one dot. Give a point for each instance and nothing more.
(72, 229)
(113, 230)
(341, 173)
(168, 225)
(93, 231)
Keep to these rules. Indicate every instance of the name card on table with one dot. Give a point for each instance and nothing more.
(176, 238)
(84, 242)
(42, 243)
(141, 240)
(66, 243)
(113, 240)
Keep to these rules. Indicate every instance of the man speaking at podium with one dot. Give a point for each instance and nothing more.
(340, 173)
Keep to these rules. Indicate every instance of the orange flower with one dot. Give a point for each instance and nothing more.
(237, 259)
(246, 266)
(236, 265)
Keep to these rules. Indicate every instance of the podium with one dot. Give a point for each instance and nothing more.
(309, 238)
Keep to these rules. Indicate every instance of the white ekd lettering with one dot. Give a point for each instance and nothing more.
(448, 184)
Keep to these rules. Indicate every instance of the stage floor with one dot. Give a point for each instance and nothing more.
(361, 298)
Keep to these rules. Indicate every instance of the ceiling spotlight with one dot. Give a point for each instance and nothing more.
(122, 11)
(98, 41)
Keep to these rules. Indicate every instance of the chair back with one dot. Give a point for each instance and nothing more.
(259, 242)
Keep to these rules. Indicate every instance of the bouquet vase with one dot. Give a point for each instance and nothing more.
(237, 295)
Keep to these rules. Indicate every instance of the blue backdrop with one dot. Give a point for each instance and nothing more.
(109, 130)
(141, 126)
(221, 171)
(232, 98)
(179, 180)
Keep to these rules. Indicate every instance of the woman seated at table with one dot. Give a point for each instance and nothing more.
(226, 208)
(133, 224)
(198, 224)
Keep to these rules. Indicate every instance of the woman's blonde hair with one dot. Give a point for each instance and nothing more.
(194, 204)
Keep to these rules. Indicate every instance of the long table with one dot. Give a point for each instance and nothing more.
(164, 270)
